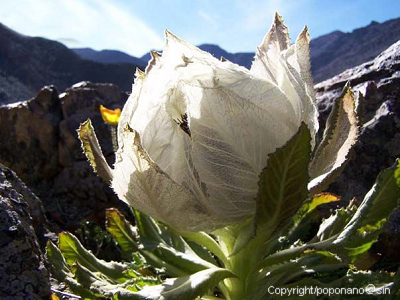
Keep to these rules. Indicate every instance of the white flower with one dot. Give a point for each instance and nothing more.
(196, 132)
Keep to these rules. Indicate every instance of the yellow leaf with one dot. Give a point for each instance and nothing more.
(322, 199)
(54, 297)
(110, 116)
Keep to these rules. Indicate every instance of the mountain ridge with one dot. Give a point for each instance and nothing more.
(29, 63)
(330, 53)
(107, 56)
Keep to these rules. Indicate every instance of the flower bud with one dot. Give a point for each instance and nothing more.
(196, 132)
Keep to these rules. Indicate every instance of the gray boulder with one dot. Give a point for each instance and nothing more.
(38, 140)
(379, 143)
(23, 272)
(29, 136)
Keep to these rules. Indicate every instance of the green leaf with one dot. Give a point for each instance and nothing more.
(308, 216)
(283, 183)
(341, 133)
(188, 287)
(206, 241)
(202, 252)
(57, 261)
(91, 148)
(246, 234)
(302, 222)
(154, 259)
(122, 232)
(62, 272)
(188, 262)
(335, 223)
(365, 226)
(97, 285)
(73, 251)
(166, 249)
(176, 241)
(149, 231)
(175, 263)
(318, 200)
(309, 263)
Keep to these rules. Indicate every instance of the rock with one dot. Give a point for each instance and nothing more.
(79, 103)
(77, 194)
(29, 136)
(36, 210)
(23, 273)
(379, 141)
(38, 140)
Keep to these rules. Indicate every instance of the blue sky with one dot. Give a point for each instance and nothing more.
(136, 27)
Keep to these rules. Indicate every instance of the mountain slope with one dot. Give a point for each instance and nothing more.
(338, 51)
(29, 63)
(107, 56)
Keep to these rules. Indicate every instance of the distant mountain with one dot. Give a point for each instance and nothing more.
(335, 52)
(241, 58)
(107, 56)
(332, 53)
(29, 63)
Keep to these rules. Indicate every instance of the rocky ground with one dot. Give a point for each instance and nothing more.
(379, 143)
(38, 141)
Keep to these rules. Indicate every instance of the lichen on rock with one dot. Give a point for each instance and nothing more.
(23, 272)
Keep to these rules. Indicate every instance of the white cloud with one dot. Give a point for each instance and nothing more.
(208, 18)
(100, 24)
(72, 43)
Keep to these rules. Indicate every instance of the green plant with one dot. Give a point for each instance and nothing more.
(235, 263)
(251, 239)
(244, 260)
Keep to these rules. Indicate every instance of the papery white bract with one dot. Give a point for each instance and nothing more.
(196, 132)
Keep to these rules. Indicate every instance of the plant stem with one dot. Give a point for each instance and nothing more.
(244, 263)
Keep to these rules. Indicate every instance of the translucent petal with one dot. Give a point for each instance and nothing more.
(206, 129)
(138, 181)
(289, 68)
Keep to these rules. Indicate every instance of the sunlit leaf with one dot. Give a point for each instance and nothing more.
(306, 217)
(188, 287)
(365, 226)
(340, 135)
(62, 272)
(91, 148)
(73, 251)
(207, 241)
(122, 231)
(336, 222)
(102, 288)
